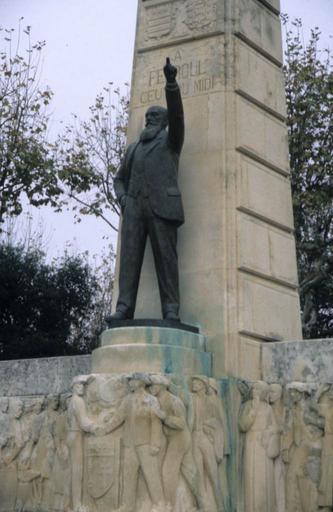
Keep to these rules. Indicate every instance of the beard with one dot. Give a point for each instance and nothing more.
(149, 133)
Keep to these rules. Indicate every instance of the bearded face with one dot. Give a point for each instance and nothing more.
(156, 120)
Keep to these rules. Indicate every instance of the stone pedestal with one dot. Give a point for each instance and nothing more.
(152, 349)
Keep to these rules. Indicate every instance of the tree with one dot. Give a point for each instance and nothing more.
(25, 162)
(309, 93)
(88, 155)
(48, 309)
(85, 336)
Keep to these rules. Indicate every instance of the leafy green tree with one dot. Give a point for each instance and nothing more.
(88, 155)
(85, 336)
(309, 93)
(46, 309)
(26, 168)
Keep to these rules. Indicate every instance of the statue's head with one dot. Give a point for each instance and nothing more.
(260, 389)
(158, 382)
(297, 391)
(53, 402)
(78, 384)
(137, 381)
(275, 392)
(199, 383)
(157, 116)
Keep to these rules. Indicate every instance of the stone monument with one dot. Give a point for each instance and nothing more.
(236, 249)
(229, 411)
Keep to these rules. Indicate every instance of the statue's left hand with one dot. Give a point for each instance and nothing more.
(170, 71)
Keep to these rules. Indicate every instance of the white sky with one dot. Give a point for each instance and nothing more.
(89, 43)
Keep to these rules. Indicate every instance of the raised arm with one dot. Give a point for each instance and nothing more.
(175, 108)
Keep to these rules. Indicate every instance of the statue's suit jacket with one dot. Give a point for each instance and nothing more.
(160, 164)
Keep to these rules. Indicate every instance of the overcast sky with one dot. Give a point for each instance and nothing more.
(89, 43)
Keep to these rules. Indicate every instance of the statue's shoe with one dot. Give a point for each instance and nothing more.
(170, 315)
(118, 315)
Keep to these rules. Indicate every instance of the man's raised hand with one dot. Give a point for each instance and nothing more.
(170, 71)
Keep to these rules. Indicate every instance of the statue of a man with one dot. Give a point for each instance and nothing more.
(146, 188)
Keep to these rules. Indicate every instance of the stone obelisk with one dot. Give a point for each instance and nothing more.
(236, 250)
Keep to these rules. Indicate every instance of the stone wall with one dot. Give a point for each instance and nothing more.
(306, 361)
(27, 377)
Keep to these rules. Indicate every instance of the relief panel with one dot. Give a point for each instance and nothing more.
(164, 22)
(130, 442)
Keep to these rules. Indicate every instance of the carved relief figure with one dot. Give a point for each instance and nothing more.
(309, 462)
(178, 459)
(78, 424)
(4, 419)
(217, 422)
(45, 450)
(293, 444)
(39, 461)
(60, 475)
(141, 415)
(325, 409)
(275, 399)
(217, 429)
(14, 456)
(257, 421)
(7, 473)
(27, 476)
(203, 447)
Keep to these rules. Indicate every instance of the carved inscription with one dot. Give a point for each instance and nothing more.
(195, 76)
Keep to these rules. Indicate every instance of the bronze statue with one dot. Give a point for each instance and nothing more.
(146, 188)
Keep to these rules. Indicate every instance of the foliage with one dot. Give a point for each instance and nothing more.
(88, 332)
(25, 163)
(48, 309)
(309, 92)
(88, 155)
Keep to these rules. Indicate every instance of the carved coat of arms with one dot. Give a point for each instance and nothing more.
(101, 460)
(160, 21)
(200, 14)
